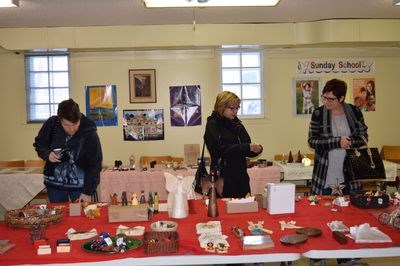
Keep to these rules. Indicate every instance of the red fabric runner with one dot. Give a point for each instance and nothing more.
(305, 215)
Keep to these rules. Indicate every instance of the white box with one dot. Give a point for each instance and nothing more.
(280, 198)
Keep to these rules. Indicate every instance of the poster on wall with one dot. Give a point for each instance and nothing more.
(143, 124)
(364, 94)
(185, 106)
(101, 104)
(306, 94)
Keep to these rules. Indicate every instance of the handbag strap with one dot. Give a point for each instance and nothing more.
(202, 152)
(368, 151)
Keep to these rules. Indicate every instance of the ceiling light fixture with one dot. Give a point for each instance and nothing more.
(396, 2)
(208, 3)
(9, 3)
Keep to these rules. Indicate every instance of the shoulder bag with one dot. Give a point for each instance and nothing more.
(363, 163)
(202, 179)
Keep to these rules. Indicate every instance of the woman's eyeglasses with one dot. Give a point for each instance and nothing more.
(233, 108)
(328, 99)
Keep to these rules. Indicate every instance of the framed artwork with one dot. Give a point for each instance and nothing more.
(306, 95)
(364, 94)
(143, 124)
(142, 85)
(101, 104)
(185, 106)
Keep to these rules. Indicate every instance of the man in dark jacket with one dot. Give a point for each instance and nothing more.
(72, 150)
(229, 144)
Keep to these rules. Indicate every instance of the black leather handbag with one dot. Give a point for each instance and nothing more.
(201, 177)
(363, 164)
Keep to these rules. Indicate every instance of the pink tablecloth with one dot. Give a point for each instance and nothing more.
(153, 180)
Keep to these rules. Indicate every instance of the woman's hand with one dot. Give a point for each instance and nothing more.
(255, 148)
(345, 142)
(55, 157)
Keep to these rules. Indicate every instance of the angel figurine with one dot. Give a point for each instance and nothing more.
(178, 188)
(134, 199)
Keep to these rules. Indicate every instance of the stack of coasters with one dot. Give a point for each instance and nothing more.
(63, 245)
(43, 246)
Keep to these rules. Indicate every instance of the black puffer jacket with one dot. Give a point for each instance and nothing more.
(86, 140)
(229, 141)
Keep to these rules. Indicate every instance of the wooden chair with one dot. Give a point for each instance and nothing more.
(146, 160)
(17, 163)
(392, 154)
(35, 163)
(278, 157)
(305, 188)
(177, 159)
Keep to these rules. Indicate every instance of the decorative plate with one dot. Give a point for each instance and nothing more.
(293, 239)
(309, 231)
(164, 226)
(133, 243)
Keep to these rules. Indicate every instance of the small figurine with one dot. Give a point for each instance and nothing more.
(142, 197)
(132, 162)
(210, 247)
(124, 199)
(134, 200)
(114, 199)
(299, 157)
(150, 200)
(290, 159)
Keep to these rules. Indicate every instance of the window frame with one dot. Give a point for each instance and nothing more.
(236, 49)
(52, 89)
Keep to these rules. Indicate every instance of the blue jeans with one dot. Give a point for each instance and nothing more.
(57, 195)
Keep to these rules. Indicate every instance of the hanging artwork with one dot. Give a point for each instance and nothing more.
(185, 109)
(142, 86)
(145, 124)
(306, 92)
(101, 104)
(364, 94)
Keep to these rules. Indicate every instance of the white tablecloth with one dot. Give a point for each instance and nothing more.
(153, 180)
(297, 171)
(19, 186)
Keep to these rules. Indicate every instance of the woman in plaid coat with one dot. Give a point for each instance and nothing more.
(334, 127)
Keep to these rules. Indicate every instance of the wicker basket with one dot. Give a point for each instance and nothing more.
(160, 242)
(32, 217)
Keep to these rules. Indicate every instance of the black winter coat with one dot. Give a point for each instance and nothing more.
(86, 140)
(229, 141)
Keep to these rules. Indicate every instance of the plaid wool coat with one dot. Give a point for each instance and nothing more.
(321, 139)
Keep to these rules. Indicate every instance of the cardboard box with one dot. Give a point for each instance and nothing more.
(280, 198)
(129, 213)
(241, 207)
(75, 209)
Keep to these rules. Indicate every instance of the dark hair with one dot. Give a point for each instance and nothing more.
(337, 87)
(69, 110)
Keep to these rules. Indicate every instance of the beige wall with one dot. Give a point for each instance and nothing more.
(278, 132)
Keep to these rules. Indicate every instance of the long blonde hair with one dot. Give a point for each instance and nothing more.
(223, 100)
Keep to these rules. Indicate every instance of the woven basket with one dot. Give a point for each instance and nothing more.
(160, 242)
(32, 217)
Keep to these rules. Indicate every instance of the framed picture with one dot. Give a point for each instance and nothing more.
(306, 94)
(142, 85)
(143, 124)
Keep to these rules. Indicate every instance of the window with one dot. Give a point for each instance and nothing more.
(242, 74)
(47, 84)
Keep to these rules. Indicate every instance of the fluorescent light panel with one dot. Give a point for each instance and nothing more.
(396, 2)
(209, 3)
(9, 3)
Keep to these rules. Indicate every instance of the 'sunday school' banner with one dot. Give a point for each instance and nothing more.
(326, 66)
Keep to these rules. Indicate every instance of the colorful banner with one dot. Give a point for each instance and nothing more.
(336, 66)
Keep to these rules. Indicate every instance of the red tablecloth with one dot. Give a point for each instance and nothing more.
(306, 215)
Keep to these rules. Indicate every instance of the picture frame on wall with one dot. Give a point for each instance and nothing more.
(143, 124)
(306, 95)
(142, 86)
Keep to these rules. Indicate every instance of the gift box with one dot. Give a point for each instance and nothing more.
(241, 207)
(129, 213)
(369, 201)
(280, 198)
